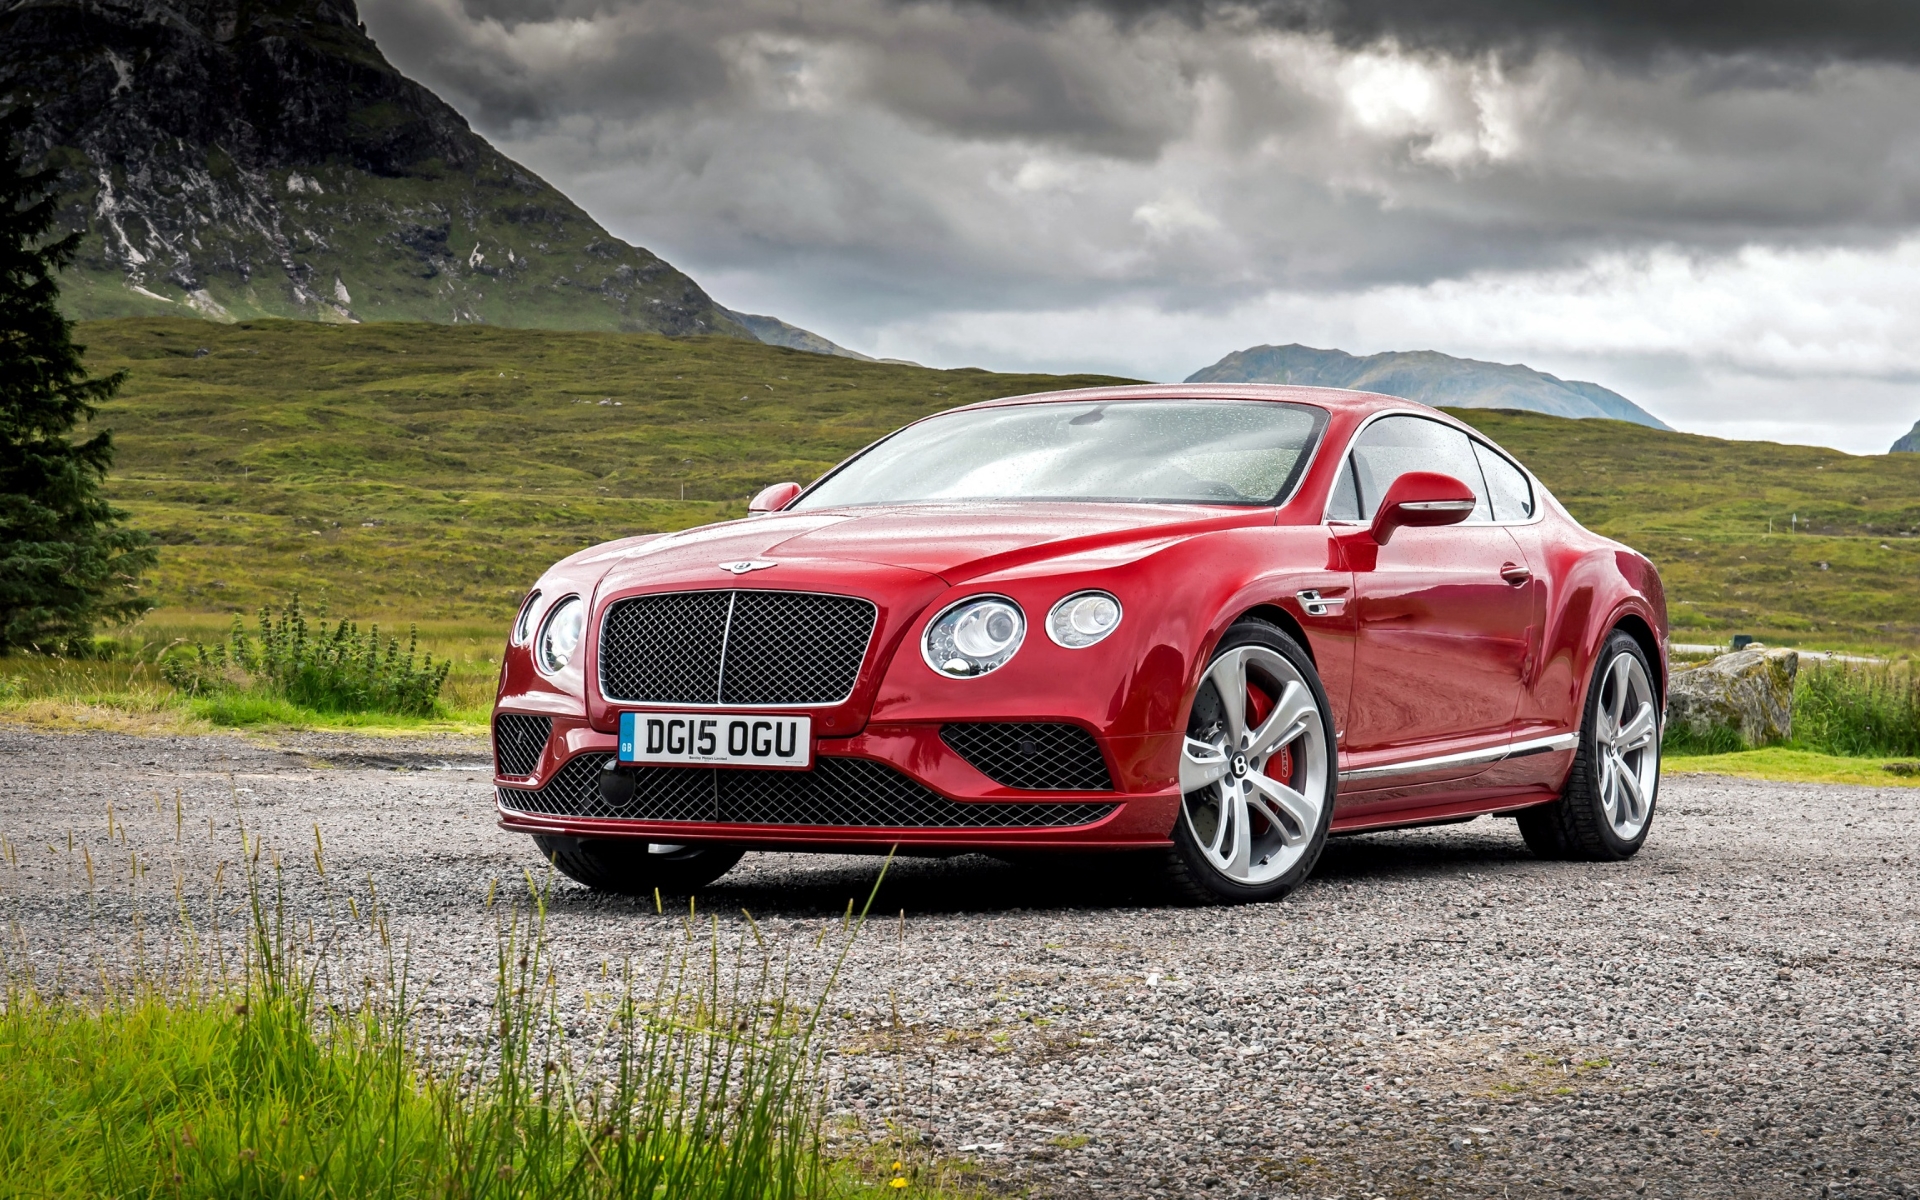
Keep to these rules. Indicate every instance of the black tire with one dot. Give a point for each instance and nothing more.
(1189, 876)
(630, 867)
(1576, 825)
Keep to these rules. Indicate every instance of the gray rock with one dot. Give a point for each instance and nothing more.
(1909, 443)
(1749, 691)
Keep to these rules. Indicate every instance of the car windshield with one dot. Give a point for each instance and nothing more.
(1154, 451)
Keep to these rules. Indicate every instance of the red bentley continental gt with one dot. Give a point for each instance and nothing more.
(1211, 624)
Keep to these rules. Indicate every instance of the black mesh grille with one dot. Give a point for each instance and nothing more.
(734, 647)
(518, 740)
(574, 791)
(837, 792)
(664, 648)
(1037, 757)
(791, 648)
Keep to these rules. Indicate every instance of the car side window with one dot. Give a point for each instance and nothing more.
(1344, 504)
(1507, 485)
(1393, 446)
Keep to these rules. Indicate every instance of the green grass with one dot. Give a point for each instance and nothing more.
(1858, 709)
(128, 691)
(1852, 723)
(1793, 765)
(289, 1078)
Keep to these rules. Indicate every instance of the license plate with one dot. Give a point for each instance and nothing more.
(706, 739)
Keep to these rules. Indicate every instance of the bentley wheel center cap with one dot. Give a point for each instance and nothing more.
(1239, 766)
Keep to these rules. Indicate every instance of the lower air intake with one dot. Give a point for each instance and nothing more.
(518, 742)
(1032, 756)
(837, 792)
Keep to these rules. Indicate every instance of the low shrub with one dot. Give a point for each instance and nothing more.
(1858, 709)
(337, 671)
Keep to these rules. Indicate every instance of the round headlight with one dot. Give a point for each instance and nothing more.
(523, 624)
(560, 634)
(1083, 618)
(974, 636)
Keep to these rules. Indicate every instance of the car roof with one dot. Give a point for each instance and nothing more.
(1329, 398)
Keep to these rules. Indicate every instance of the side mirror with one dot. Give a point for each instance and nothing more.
(1422, 499)
(772, 499)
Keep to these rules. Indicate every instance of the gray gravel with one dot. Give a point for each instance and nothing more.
(1733, 1013)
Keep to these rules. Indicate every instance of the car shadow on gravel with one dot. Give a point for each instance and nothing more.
(1436, 850)
(812, 885)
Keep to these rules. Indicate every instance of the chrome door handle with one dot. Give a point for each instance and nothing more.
(1515, 574)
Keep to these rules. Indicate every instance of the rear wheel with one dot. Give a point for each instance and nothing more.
(1606, 808)
(636, 868)
(1256, 772)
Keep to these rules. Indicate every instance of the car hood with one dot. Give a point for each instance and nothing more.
(952, 541)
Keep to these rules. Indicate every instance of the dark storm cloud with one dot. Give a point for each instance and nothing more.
(1012, 182)
(507, 62)
(961, 73)
(1885, 30)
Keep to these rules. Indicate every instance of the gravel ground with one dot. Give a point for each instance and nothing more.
(1733, 1013)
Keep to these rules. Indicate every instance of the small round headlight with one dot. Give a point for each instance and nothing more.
(1083, 618)
(974, 636)
(560, 634)
(523, 624)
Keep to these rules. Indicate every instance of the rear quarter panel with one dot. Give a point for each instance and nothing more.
(1589, 586)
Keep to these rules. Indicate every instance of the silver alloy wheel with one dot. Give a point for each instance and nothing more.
(1626, 732)
(1253, 828)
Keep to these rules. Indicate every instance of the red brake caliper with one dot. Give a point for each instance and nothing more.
(1259, 705)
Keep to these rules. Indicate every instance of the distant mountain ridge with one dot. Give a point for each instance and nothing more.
(248, 158)
(1429, 377)
(1909, 443)
(775, 332)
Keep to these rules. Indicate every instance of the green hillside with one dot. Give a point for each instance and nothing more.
(1701, 508)
(432, 471)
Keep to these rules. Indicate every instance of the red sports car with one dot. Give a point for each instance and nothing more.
(1211, 624)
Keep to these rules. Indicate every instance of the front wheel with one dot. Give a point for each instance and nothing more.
(1256, 772)
(635, 868)
(1604, 812)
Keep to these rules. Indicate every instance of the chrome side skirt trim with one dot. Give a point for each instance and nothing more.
(1545, 745)
(1465, 758)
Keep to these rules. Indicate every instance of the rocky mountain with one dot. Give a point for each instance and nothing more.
(775, 332)
(1428, 377)
(262, 158)
(1909, 443)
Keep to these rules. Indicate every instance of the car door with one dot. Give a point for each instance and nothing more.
(1442, 620)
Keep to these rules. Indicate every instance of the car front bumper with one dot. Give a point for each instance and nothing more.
(892, 785)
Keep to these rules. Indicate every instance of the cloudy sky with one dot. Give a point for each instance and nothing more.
(1712, 207)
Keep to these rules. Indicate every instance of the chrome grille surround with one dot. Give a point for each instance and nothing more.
(1033, 756)
(734, 647)
(519, 739)
(837, 792)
